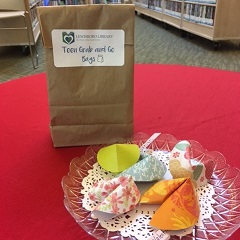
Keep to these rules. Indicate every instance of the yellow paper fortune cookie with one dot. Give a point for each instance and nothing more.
(118, 157)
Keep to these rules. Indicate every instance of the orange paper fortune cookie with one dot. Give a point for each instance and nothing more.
(179, 204)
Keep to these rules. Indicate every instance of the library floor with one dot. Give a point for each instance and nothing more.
(153, 44)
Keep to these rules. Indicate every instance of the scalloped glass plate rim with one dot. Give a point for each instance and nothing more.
(226, 181)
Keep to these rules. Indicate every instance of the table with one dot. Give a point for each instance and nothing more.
(188, 102)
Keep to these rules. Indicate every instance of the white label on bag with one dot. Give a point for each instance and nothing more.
(74, 48)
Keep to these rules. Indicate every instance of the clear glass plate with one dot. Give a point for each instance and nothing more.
(226, 180)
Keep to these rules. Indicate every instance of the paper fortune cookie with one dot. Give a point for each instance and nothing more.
(114, 197)
(118, 157)
(181, 165)
(147, 170)
(179, 204)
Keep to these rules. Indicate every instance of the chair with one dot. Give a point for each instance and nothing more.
(18, 16)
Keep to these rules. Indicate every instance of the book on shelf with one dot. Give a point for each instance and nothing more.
(144, 3)
(202, 1)
(60, 2)
(46, 2)
(155, 5)
(71, 2)
(173, 8)
(203, 14)
(114, 1)
(52, 3)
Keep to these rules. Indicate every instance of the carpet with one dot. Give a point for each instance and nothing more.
(188, 102)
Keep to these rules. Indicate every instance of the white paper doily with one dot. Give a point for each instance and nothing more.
(135, 222)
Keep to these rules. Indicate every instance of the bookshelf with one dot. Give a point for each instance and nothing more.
(216, 20)
(79, 2)
(65, 2)
(172, 11)
(18, 37)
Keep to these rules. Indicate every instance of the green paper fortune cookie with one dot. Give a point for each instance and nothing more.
(118, 157)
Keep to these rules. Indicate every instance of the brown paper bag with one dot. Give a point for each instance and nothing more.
(89, 104)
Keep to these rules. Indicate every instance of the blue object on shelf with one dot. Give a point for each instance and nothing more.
(46, 2)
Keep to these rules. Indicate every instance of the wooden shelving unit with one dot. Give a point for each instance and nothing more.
(80, 2)
(216, 20)
(19, 37)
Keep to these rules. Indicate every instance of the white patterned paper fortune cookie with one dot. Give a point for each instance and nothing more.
(181, 165)
(114, 197)
(146, 170)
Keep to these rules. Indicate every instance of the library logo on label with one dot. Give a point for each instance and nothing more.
(68, 38)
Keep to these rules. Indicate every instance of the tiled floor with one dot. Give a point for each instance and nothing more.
(13, 64)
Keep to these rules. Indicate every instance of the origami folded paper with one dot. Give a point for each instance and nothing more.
(179, 204)
(114, 197)
(146, 170)
(118, 157)
(181, 165)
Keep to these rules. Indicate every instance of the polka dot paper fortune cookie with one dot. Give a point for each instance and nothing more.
(118, 157)
(114, 197)
(181, 165)
(179, 204)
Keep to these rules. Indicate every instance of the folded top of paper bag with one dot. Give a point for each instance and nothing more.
(114, 197)
(146, 170)
(118, 157)
(179, 204)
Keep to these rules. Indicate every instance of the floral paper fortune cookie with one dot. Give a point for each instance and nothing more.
(179, 204)
(181, 165)
(114, 197)
(146, 170)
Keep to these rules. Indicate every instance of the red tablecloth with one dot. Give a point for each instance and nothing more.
(188, 102)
